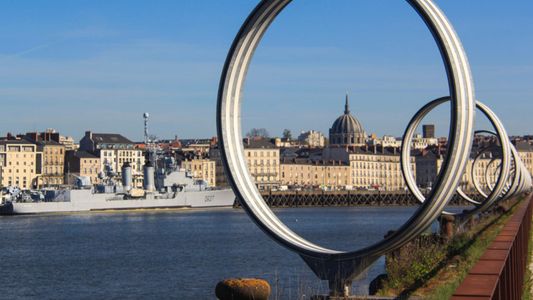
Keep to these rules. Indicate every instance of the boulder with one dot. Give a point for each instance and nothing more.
(243, 289)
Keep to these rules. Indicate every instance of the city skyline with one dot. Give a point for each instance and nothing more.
(98, 66)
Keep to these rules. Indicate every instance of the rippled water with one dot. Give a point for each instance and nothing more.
(179, 254)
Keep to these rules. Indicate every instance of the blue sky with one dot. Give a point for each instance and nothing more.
(78, 65)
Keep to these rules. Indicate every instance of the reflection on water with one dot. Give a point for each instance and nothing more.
(180, 254)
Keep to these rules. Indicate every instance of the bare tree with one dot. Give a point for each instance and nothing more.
(258, 132)
(287, 134)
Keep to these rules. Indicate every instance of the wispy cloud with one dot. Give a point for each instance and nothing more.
(29, 50)
(177, 83)
(92, 31)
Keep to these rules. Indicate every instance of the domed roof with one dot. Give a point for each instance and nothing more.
(347, 124)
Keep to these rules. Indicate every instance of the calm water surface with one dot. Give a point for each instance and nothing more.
(178, 255)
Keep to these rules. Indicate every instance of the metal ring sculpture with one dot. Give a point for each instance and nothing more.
(338, 267)
(514, 185)
(475, 179)
(488, 182)
(504, 169)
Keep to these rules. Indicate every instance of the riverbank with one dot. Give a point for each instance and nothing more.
(435, 267)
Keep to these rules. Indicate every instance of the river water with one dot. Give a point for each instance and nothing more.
(176, 254)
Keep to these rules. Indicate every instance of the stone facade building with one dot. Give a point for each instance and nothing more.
(312, 139)
(82, 164)
(327, 175)
(53, 163)
(114, 150)
(262, 158)
(220, 175)
(355, 168)
(377, 168)
(20, 164)
(201, 169)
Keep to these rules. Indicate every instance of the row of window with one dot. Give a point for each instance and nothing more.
(263, 153)
(122, 153)
(18, 149)
(17, 182)
(53, 150)
(24, 170)
(262, 163)
(367, 158)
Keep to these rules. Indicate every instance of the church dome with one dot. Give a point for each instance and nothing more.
(347, 130)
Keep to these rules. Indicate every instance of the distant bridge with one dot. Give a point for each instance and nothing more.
(347, 198)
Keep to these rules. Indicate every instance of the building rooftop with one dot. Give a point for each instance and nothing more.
(49, 143)
(16, 142)
(258, 144)
(110, 138)
(84, 154)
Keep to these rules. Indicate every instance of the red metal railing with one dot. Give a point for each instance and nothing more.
(499, 273)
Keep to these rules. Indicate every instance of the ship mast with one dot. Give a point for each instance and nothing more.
(145, 117)
(151, 147)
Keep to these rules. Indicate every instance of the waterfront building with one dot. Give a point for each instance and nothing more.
(20, 163)
(80, 163)
(53, 157)
(220, 175)
(201, 169)
(114, 150)
(347, 131)
(312, 139)
(377, 168)
(51, 135)
(262, 158)
(328, 175)
(372, 167)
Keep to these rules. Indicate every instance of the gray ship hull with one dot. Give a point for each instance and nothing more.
(86, 200)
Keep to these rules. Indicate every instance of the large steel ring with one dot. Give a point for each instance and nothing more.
(340, 267)
(488, 182)
(406, 155)
(513, 186)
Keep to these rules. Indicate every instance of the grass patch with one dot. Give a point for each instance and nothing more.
(432, 268)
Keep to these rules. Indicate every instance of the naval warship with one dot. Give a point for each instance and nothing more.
(171, 189)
